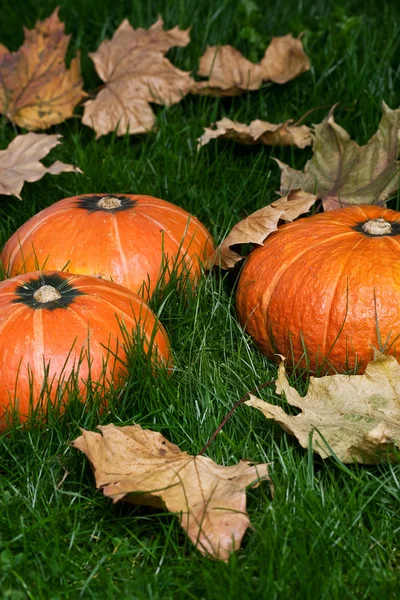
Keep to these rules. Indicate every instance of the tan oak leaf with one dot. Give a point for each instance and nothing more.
(255, 228)
(258, 132)
(136, 72)
(36, 89)
(354, 417)
(141, 466)
(230, 73)
(343, 173)
(20, 162)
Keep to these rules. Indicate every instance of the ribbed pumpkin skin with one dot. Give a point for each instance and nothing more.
(319, 284)
(56, 333)
(123, 244)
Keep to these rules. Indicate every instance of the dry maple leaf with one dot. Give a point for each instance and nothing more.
(36, 90)
(262, 132)
(255, 228)
(343, 173)
(355, 417)
(142, 467)
(133, 66)
(230, 73)
(20, 162)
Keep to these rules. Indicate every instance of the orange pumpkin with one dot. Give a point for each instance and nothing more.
(123, 238)
(53, 324)
(324, 291)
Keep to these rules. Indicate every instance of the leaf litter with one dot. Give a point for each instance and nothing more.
(258, 132)
(341, 172)
(36, 89)
(352, 417)
(142, 467)
(136, 73)
(255, 228)
(231, 74)
(20, 162)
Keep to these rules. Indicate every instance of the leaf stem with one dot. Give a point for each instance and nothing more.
(309, 112)
(230, 413)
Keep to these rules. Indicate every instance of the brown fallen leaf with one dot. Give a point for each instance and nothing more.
(343, 173)
(262, 132)
(36, 90)
(284, 59)
(255, 228)
(20, 162)
(135, 71)
(355, 417)
(230, 73)
(142, 467)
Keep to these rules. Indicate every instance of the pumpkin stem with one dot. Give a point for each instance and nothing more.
(46, 293)
(109, 202)
(377, 227)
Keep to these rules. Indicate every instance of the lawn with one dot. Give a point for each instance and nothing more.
(332, 531)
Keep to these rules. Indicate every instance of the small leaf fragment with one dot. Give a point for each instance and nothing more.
(20, 162)
(135, 71)
(341, 172)
(142, 467)
(36, 89)
(356, 417)
(230, 73)
(284, 59)
(259, 225)
(261, 132)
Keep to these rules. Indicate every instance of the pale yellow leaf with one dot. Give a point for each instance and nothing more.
(355, 417)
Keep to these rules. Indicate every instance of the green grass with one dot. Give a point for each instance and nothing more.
(331, 531)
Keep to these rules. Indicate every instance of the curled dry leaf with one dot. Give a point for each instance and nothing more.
(343, 173)
(230, 73)
(258, 226)
(135, 71)
(142, 467)
(284, 59)
(36, 90)
(261, 132)
(355, 417)
(20, 162)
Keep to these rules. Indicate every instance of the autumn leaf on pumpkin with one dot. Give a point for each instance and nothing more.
(230, 73)
(20, 162)
(355, 417)
(142, 467)
(343, 173)
(255, 228)
(36, 89)
(135, 71)
(258, 132)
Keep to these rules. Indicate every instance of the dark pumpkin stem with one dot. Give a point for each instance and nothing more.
(230, 413)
